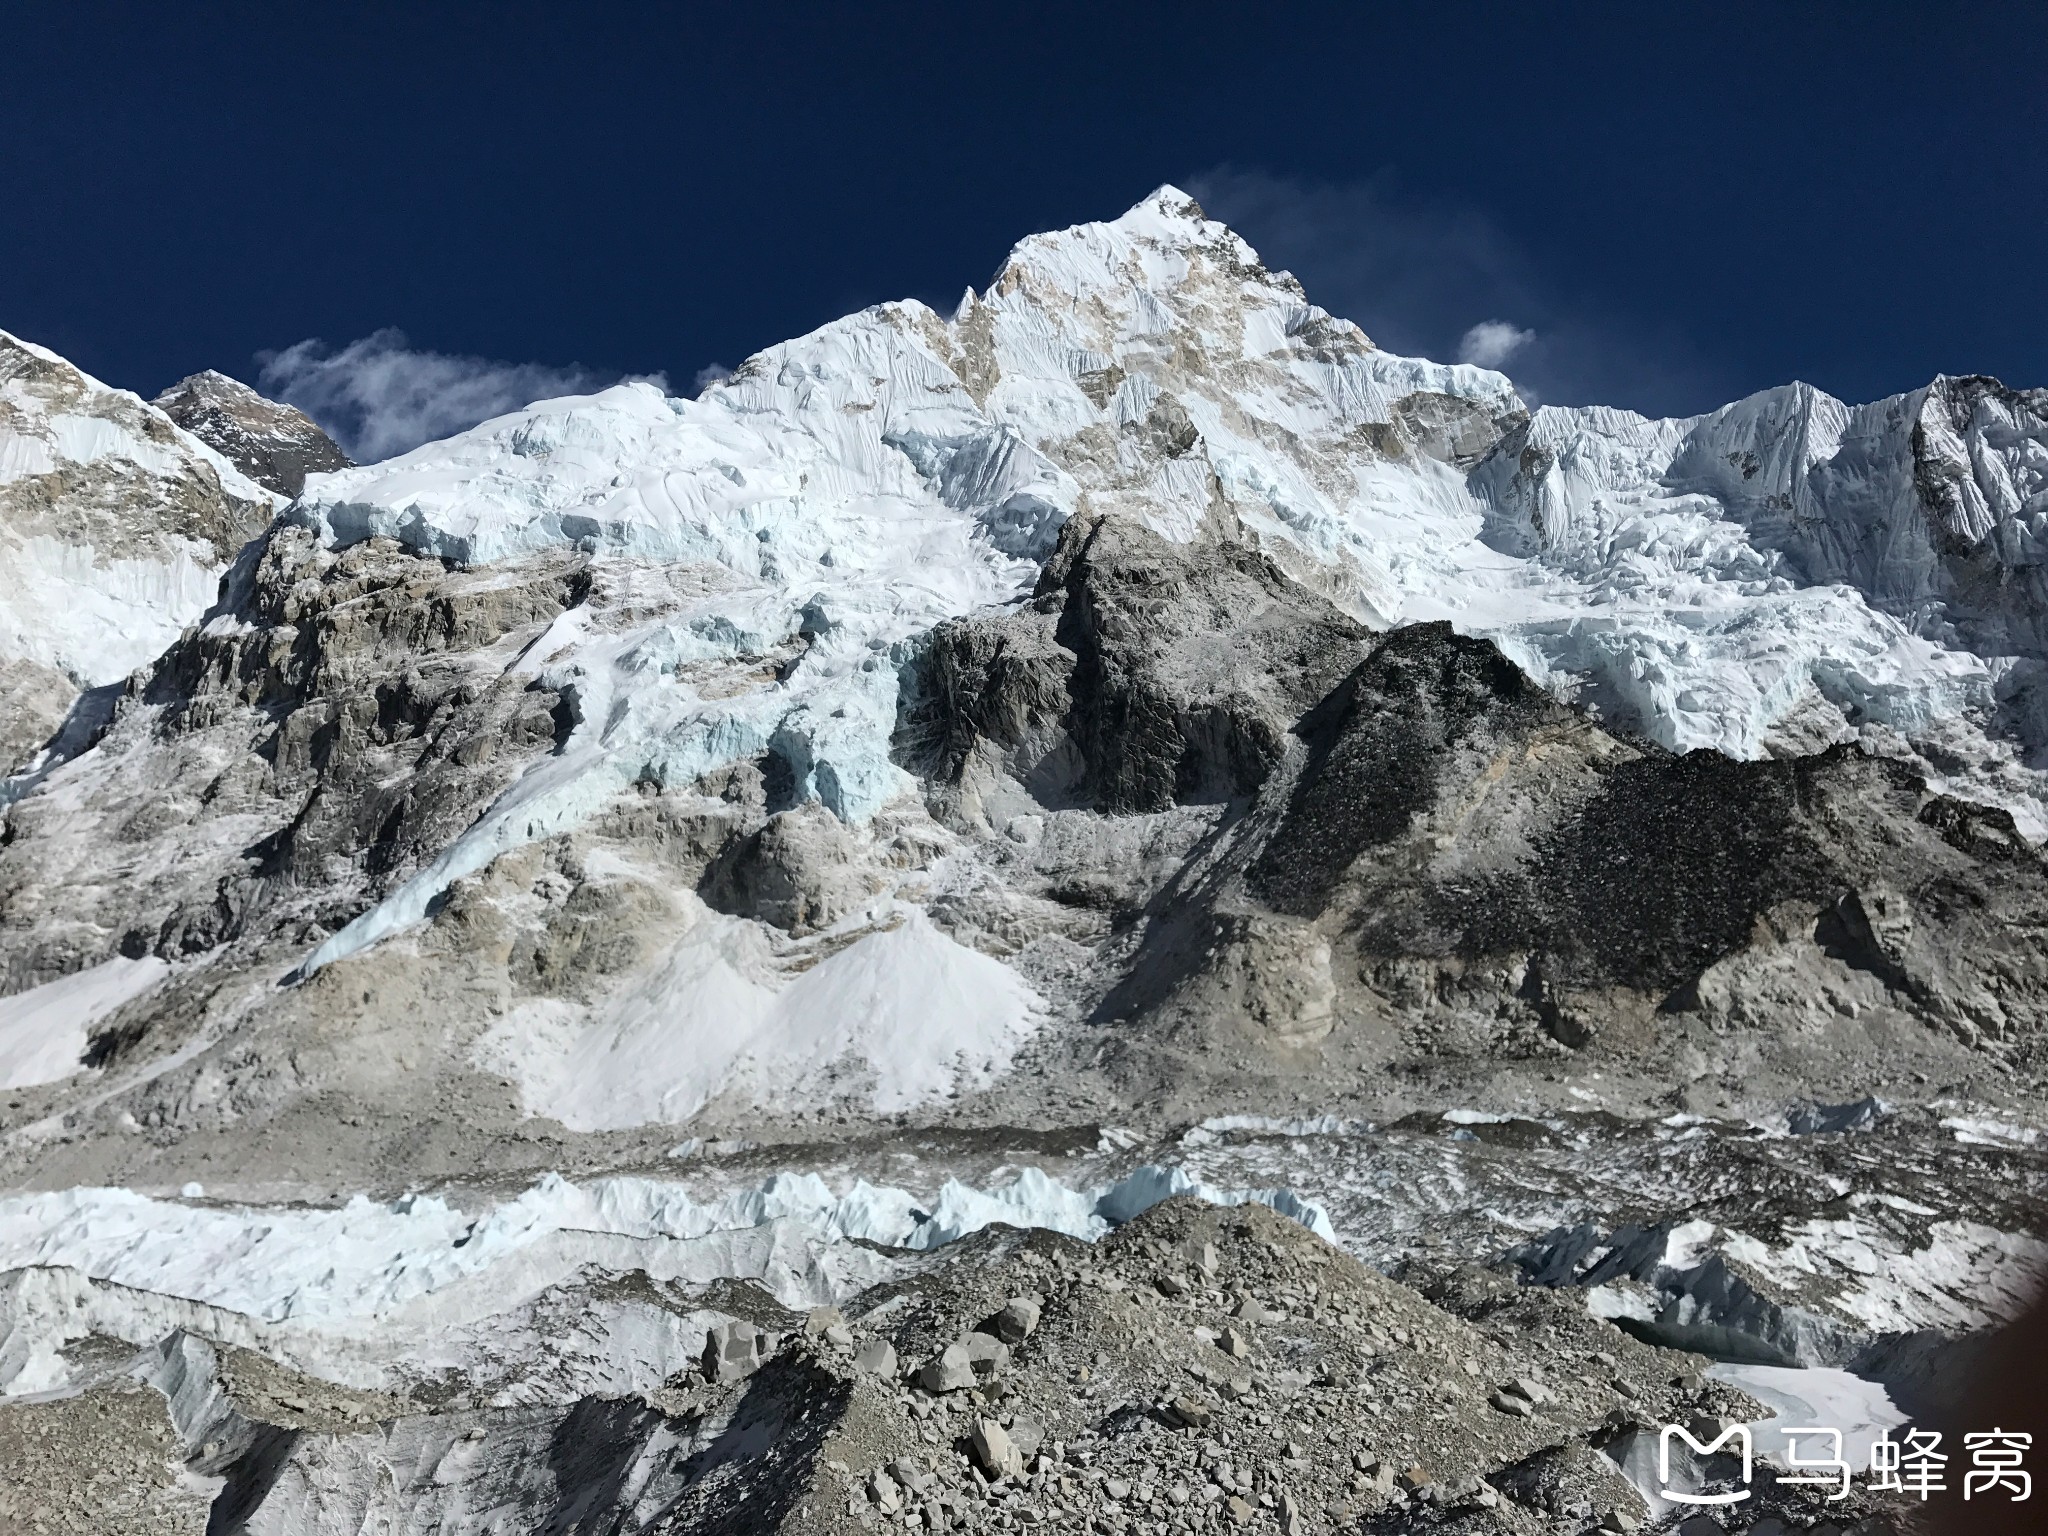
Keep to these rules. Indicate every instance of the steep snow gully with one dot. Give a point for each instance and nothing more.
(643, 868)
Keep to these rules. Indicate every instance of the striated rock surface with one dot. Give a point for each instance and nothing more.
(274, 444)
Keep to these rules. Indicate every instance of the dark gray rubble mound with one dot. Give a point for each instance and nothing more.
(274, 444)
(1417, 837)
(1450, 812)
(1427, 713)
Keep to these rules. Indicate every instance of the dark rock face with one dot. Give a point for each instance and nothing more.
(305, 754)
(993, 687)
(274, 444)
(799, 872)
(1384, 747)
(1417, 827)
(1191, 662)
(1144, 674)
(1439, 835)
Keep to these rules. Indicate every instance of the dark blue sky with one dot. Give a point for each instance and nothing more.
(1682, 203)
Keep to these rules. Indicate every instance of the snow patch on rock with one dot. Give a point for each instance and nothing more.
(44, 1032)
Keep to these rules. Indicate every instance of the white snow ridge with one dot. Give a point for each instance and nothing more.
(99, 580)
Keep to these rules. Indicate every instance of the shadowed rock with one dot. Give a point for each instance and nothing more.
(274, 444)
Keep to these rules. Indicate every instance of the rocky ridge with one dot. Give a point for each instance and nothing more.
(115, 526)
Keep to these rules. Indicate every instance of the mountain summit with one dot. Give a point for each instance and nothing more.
(114, 525)
(275, 445)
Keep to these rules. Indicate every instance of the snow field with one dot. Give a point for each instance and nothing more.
(45, 1030)
(899, 1018)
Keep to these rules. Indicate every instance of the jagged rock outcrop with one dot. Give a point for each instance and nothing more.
(339, 718)
(800, 872)
(274, 444)
(1143, 674)
(1479, 853)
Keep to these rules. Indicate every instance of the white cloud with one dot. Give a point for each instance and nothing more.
(379, 396)
(1491, 343)
(710, 374)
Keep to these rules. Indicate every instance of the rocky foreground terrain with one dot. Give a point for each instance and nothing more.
(1198, 1369)
(1117, 912)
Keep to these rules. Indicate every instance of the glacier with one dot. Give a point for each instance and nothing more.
(344, 1268)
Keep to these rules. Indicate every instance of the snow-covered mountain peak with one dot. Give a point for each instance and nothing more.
(1007, 767)
(1156, 247)
(1722, 581)
(115, 526)
(58, 419)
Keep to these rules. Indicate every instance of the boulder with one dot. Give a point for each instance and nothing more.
(877, 1357)
(994, 1450)
(950, 1370)
(1014, 1324)
(736, 1349)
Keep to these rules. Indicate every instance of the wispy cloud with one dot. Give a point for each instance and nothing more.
(710, 374)
(1491, 343)
(379, 395)
(1432, 278)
